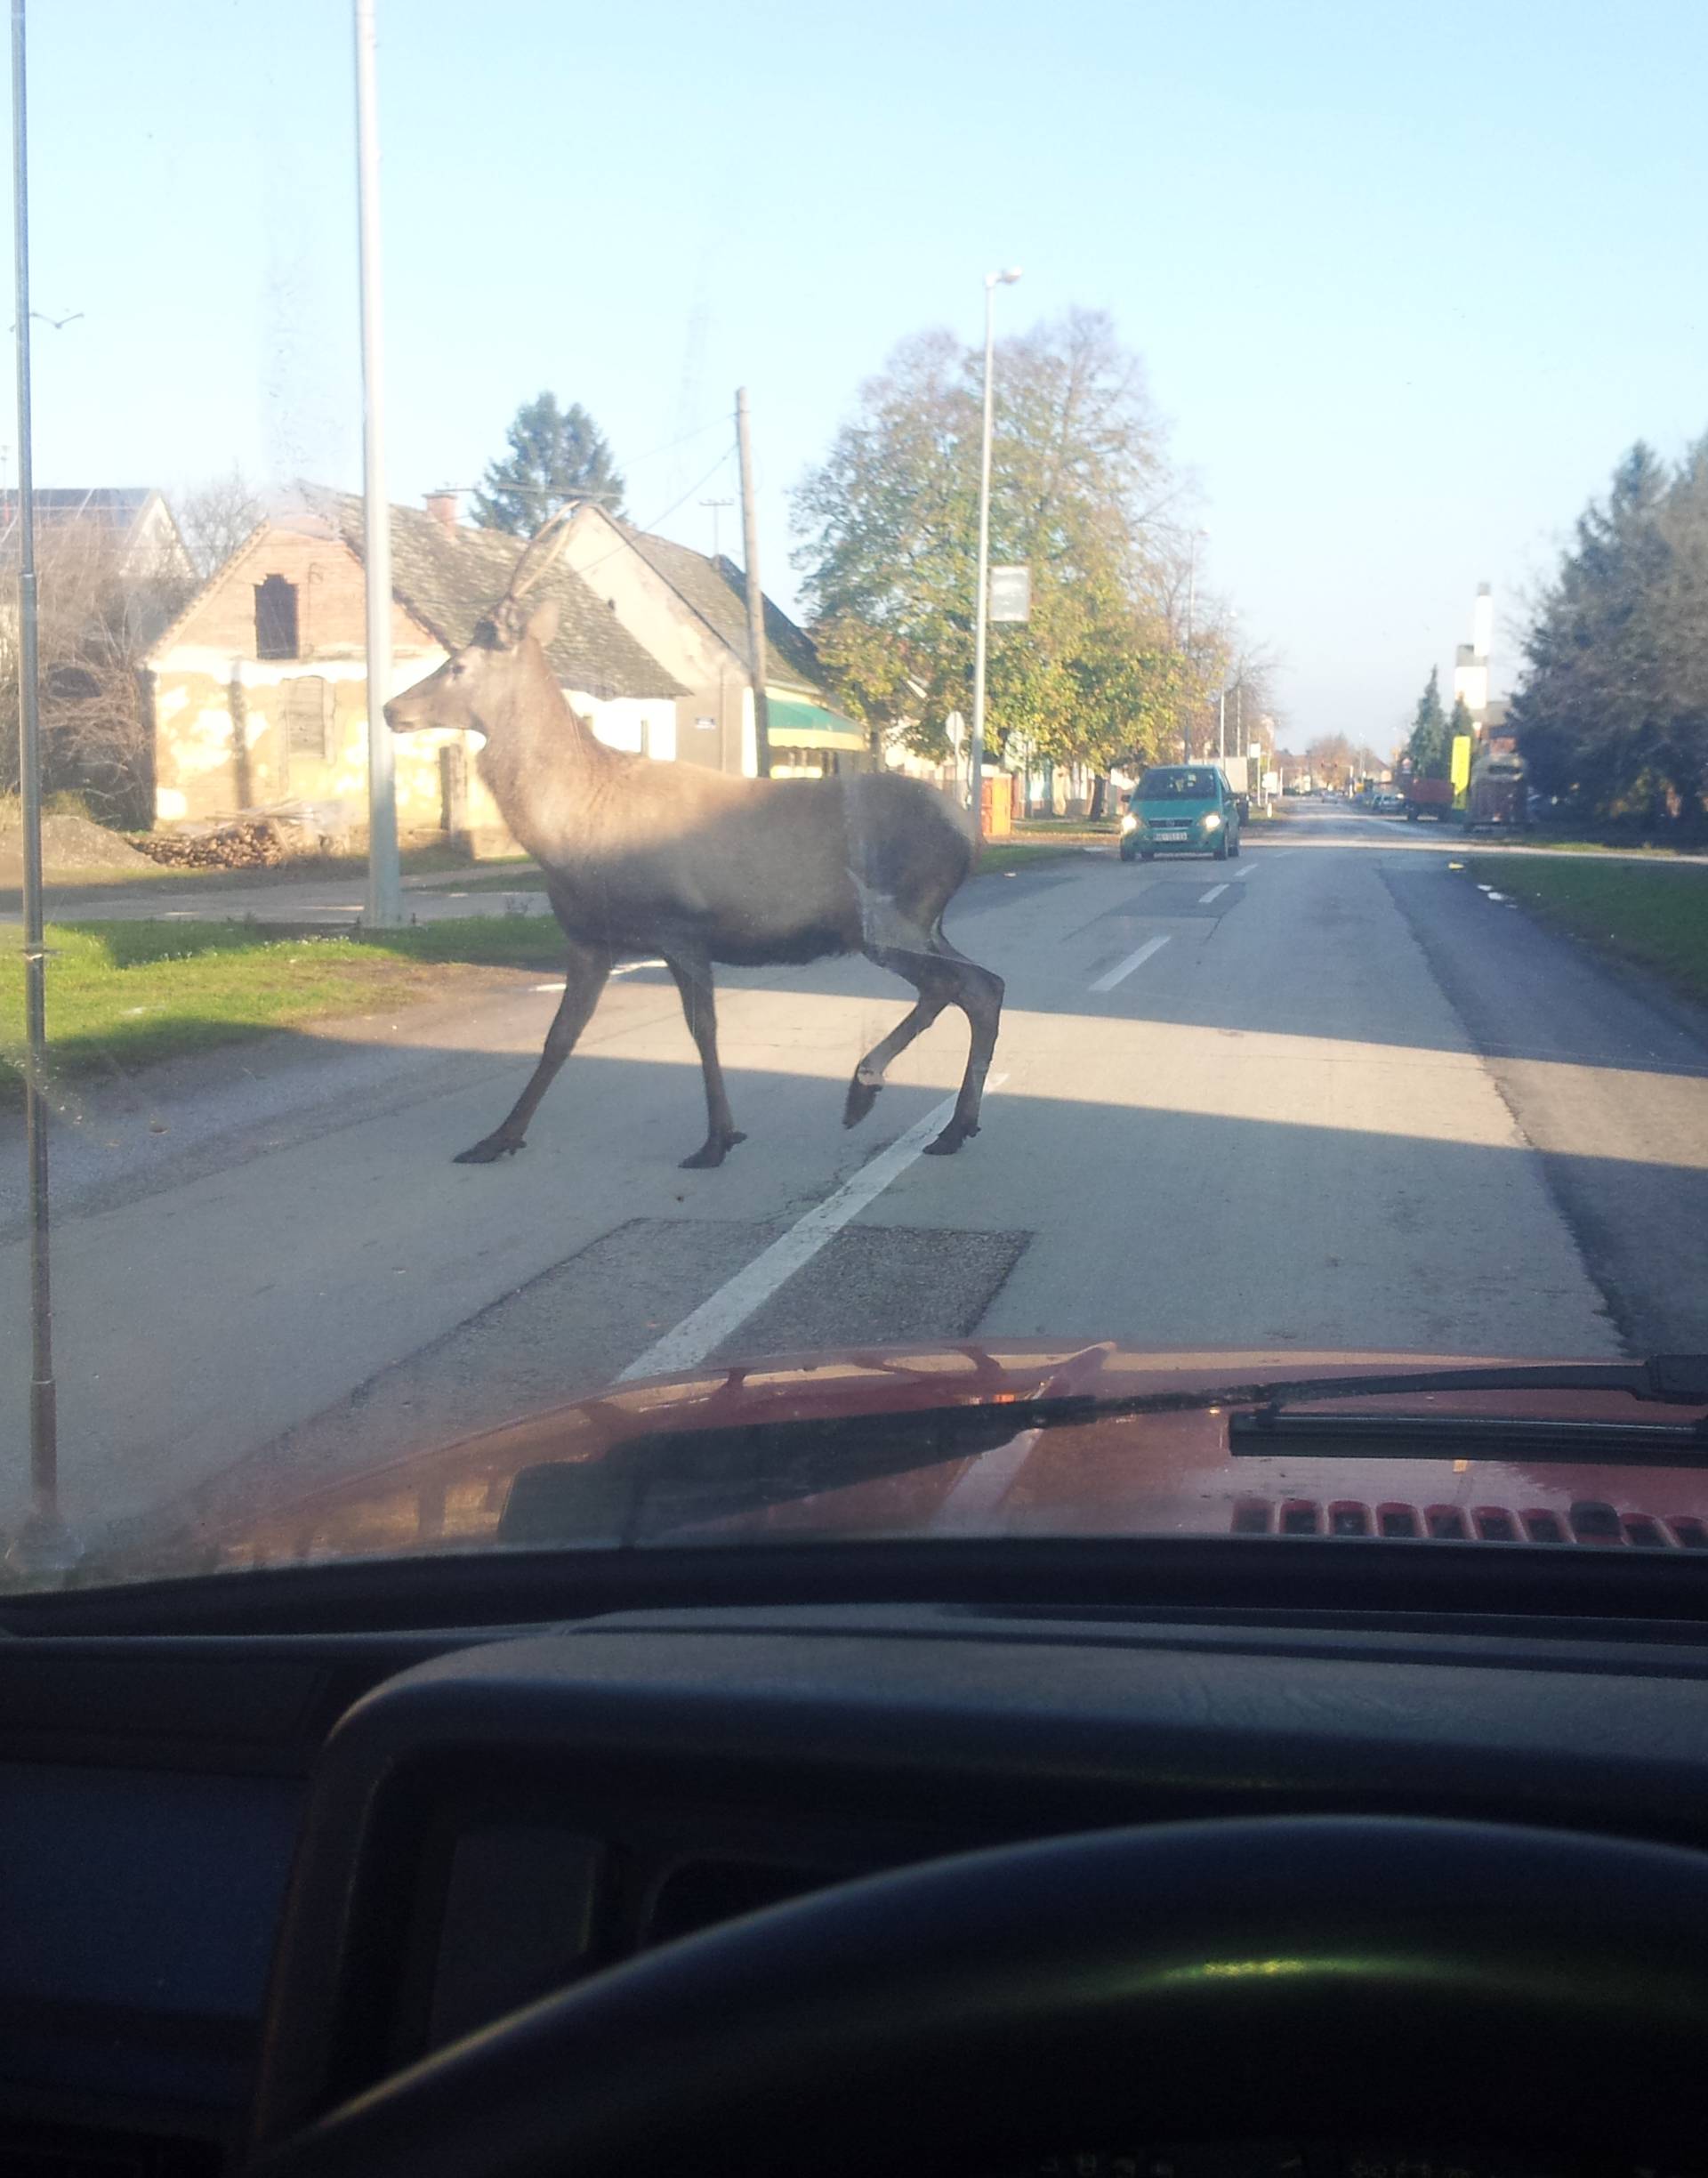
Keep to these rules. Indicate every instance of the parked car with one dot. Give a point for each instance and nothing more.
(1429, 797)
(1181, 810)
(1388, 803)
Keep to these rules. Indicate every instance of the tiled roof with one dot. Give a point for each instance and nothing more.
(449, 579)
(115, 513)
(717, 591)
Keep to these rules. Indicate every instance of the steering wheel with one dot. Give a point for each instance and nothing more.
(1427, 1986)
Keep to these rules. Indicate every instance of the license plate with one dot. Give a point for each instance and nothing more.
(1168, 836)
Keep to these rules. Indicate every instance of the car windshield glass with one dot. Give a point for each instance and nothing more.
(662, 708)
(1177, 787)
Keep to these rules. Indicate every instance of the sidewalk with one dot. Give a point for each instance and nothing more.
(336, 901)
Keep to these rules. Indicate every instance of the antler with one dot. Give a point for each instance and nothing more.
(540, 550)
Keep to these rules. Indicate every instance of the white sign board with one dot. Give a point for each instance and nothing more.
(956, 727)
(1011, 593)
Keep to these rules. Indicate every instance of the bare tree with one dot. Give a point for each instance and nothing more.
(101, 607)
(214, 517)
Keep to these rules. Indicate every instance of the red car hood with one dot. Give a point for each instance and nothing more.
(574, 1475)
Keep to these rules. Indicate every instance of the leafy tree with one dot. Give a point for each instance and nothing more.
(1331, 759)
(556, 455)
(888, 529)
(1428, 746)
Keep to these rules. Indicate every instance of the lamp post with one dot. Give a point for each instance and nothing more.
(1191, 600)
(975, 762)
(385, 905)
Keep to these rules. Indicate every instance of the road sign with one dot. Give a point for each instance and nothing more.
(1011, 593)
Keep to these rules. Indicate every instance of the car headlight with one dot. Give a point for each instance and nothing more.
(1210, 820)
(1129, 823)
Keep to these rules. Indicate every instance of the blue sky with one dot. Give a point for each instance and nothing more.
(1407, 280)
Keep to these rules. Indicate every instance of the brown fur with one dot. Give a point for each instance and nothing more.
(644, 857)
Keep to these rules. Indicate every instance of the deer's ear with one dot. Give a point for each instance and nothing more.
(542, 621)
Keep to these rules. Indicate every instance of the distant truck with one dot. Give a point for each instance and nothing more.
(1427, 797)
(1236, 772)
(1496, 800)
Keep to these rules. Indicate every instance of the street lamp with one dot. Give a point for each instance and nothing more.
(976, 765)
(1191, 598)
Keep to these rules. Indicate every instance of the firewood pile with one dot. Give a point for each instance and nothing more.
(253, 839)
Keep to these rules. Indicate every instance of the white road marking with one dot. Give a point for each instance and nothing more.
(985, 1485)
(1215, 893)
(1123, 969)
(697, 1334)
(1245, 870)
(622, 968)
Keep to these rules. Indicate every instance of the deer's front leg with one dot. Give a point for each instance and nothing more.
(585, 972)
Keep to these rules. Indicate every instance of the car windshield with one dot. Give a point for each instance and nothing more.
(1171, 785)
(676, 681)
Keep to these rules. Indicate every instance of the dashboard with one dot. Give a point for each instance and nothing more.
(241, 1880)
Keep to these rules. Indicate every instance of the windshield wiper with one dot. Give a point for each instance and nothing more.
(1610, 1442)
(666, 1477)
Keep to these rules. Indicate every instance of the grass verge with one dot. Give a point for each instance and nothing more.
(1655, 915)
(1000, 858)
(123, 995)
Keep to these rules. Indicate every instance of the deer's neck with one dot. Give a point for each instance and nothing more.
(543, 764)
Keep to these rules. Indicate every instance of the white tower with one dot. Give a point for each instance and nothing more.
(1470, 660)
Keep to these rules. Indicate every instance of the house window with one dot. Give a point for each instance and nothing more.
(276, 618)
(305, 713)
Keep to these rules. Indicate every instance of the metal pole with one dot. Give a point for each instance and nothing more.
(1191, 598)
(976, 755)
(45, 1542)
(1222, 727)
(385, 906)
(755, 596)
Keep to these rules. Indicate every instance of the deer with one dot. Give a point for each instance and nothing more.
(648, 859)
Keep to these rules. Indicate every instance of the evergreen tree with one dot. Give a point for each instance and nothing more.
(1428, 746)
(556, 455)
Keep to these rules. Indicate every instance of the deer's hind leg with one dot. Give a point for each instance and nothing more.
(943, 977)
(935, 992)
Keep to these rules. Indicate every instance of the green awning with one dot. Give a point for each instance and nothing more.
(795, 723)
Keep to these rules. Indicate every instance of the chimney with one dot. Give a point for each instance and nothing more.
(441, 505)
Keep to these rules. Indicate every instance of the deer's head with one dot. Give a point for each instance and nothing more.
(479, 685)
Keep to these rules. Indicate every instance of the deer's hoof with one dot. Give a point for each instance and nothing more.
(862, 1095)
(713, 1151)
(487, 1152)
(950, 1141)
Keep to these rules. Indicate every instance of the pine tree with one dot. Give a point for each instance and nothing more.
(556, 455)
(1428, 746)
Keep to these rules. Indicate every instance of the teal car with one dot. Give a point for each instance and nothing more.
(1180, 809)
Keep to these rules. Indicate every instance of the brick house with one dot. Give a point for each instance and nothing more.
(259, 687)
(690, 612)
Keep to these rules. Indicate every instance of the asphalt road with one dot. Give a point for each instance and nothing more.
(1327, 1096)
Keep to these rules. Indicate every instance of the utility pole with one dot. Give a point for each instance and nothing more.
(716, 504)
(755, 596)
(1222, 727)
(1191, 599)
(981, 612)
(384, 904)
(45, 1543)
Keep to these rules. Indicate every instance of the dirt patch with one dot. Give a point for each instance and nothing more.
(71, 846)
